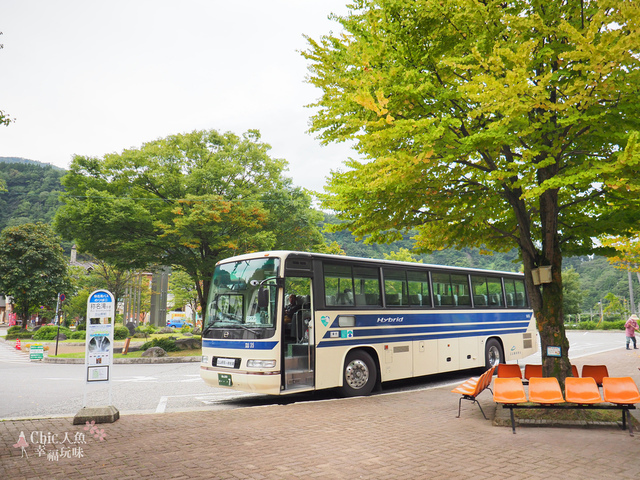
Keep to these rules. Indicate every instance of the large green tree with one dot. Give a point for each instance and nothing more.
(187, 201)
(33, 267)
(488, 124)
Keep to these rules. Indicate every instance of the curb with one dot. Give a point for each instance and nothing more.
(80, 361)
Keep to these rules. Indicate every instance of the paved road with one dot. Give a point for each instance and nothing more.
(30, 389)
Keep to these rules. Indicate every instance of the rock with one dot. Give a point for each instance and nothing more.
(189, 343)
(166, 330)
(197, 331)
(61, 336)
(154, 352)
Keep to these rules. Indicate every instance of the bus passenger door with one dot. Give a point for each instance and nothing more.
(299, 347)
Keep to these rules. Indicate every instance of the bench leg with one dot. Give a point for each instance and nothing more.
(513, 421)
(474, 401)
(628, 415)
(482, 411)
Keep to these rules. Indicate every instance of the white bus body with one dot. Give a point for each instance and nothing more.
(355, 323)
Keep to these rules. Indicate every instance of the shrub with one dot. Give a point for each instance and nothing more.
(14, 329)
(20, 334)
(185, 329)
(616, 325)
(82, 325)
(49, 332)
(78, 335)
(148, 329)
(167, 344)
(120, 332)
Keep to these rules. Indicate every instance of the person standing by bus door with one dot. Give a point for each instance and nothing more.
(630, 328)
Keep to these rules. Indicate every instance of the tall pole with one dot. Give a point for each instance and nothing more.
(58, 322)
(631, 300)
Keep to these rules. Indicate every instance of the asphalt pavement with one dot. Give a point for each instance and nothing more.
(406, 435)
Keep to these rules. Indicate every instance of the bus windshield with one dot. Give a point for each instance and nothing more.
(233, 299)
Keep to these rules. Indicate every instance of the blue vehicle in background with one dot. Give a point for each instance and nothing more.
(179, 324)
(177, 320)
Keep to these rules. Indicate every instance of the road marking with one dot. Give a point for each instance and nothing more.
(137, 379)
(8, 354)
(162, 405)
(206, 398)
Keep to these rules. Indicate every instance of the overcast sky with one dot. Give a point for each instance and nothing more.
(95, 77)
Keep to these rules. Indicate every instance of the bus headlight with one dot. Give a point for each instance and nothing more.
(205, 359)
(261, 363)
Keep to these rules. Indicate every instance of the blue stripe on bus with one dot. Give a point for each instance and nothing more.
(413, 338)
(238, 344)
(369, 320)
(366, 332)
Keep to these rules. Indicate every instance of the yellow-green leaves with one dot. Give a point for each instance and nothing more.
(483, 119)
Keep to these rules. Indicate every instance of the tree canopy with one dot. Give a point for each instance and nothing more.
(188, 201)
(34, 269)
(486, 124)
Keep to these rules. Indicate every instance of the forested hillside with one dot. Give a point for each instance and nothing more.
(26, 160)
(32, 192)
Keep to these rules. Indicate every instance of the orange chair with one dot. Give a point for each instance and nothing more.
(509, 371)
(509, 392)
(583, 391)
(597, 372)
(574, 370)
(624, 392)
(545, 391)
(531, 371)
(474, 387)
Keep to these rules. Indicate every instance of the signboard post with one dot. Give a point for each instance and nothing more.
(101, 317)
(99, 337)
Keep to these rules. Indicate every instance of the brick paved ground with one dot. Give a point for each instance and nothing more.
(410, 435)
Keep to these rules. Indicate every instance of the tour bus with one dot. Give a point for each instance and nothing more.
(281, 322)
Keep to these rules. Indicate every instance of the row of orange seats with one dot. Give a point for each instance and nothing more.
(597, 372)
(622, 392)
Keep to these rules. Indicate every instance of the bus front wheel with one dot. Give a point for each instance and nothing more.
(493, 354)
(360, 374)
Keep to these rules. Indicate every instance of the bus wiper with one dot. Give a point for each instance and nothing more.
(235, 322)
(248, 329)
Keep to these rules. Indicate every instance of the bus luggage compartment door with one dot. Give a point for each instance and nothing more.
(448, 354)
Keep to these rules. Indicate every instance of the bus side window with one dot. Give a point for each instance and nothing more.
(338, 283)
(418, 283)
(521, 300)
(495, 292)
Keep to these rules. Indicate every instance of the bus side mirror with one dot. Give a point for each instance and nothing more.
(263, 297)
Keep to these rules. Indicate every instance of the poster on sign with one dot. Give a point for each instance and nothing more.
(99, 336)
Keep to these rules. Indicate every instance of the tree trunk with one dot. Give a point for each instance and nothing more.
(551, 327)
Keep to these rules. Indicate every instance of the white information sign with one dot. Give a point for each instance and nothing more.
(99, 337)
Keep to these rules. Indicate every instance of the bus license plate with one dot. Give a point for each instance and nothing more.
(224, 380)
(226, 362)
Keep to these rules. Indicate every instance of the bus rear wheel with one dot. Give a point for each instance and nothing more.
(359, 375)
(493, 354)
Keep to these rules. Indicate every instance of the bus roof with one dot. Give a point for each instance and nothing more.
(286, 253)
